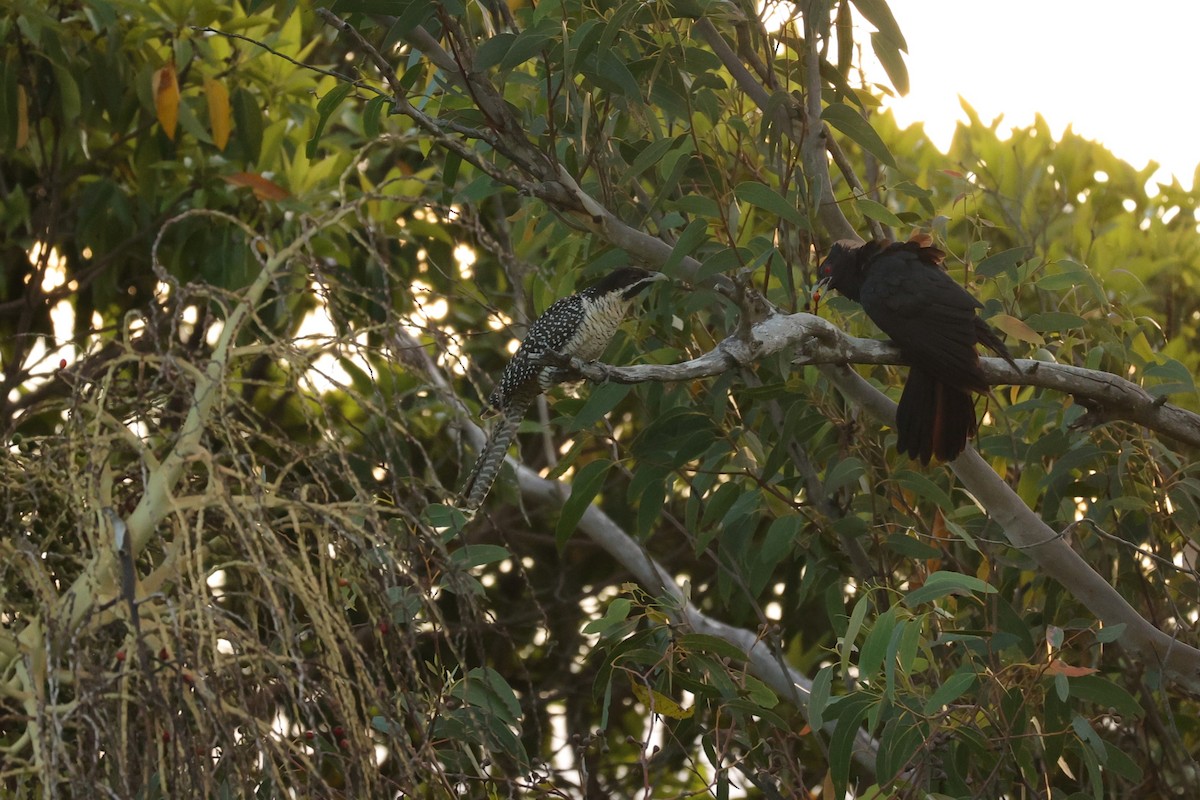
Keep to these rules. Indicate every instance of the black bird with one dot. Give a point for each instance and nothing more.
(578, 326)
(905, 291)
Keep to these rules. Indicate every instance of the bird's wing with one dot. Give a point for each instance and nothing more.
(550, 331)
(928, 315)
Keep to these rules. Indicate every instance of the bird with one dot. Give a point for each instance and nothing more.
(578, 326)
(932, 319)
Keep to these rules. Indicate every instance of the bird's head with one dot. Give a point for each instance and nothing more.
(844, 268)
(629, 281)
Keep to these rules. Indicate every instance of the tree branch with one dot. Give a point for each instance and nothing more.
(1107, 396)
(764, 662)
(821, 343)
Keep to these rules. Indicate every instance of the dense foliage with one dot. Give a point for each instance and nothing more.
(293, 248)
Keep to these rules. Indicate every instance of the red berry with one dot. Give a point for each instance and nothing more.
(344, 744)
(120, 655)
(309, 735)
(339, 732)
(384, 627)
(62, 363)
(166, 736)
(343, 582)
(163, 655)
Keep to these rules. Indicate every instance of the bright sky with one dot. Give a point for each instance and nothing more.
(1121, 73)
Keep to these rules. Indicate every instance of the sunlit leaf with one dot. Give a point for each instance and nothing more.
(851, 123)
(658, 703)
(166, 98)
(1016, 329)
(220, 114)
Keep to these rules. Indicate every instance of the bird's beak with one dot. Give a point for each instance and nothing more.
(821, 286)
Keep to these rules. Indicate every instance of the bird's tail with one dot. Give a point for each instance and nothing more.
(487, 466)
(933, 418)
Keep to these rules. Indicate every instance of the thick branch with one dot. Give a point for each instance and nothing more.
(1107, 396)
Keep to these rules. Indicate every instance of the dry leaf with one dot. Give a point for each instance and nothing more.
(1016, 329)
(263, 189)
(166, 99)
(22, 117)
(1060, 667)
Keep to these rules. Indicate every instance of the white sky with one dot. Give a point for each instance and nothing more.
(1121, 73)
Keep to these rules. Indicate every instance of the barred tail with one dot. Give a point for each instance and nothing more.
(487, 467)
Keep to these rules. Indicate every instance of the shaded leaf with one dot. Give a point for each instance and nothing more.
(766, 198)
(584, 488)
(940, 584)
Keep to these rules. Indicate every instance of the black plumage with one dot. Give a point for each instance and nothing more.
(579, 326)
(933, 321)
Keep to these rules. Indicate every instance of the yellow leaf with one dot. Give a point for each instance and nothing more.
(220, 118)
(1016, 329)
(22, 117)
(659, 703)
(166, 99)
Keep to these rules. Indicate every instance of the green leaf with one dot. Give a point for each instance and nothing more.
(485, 688)
(780, 538)
(876, 643)
(709, 644)
(940, 584)
(851, 123)
(1104, 692)
(651, 154)
(1085, 731)
(614, 77)
(325, 107)
(880, 15)
(758, 692)
(766, 198)
(1121, 764)
(584, 489)
(843, 473)
(689, 240)
(1110, 633)
(470, 556)
(1004, 261)
(439, 516)
(492, 51)
(617, 612)
(889, 54)
(1053, 321)
(602, 399)
(954, 687)
(372, 113)
(856, 620)
(841, 744)
(528, 44)
(818, 697)
(877, 211)
(247, 124)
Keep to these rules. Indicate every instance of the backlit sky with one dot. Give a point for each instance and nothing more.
(1121, 73)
